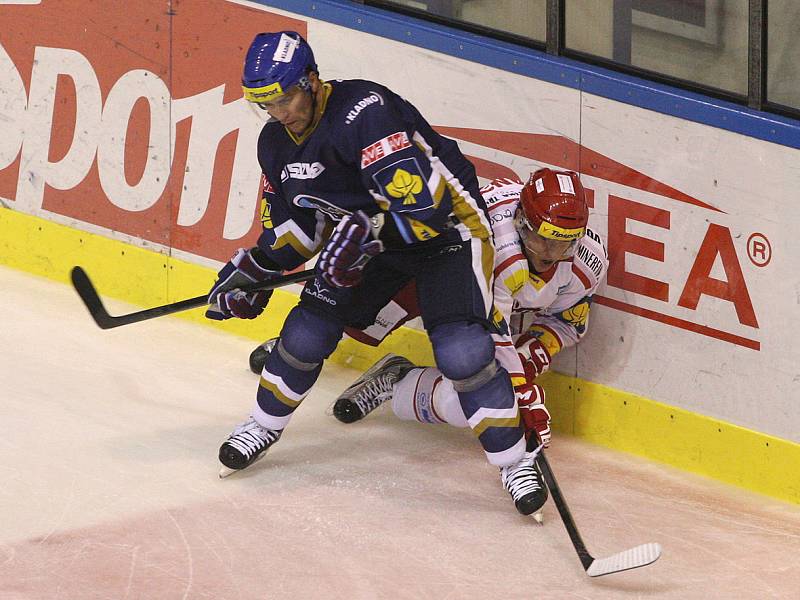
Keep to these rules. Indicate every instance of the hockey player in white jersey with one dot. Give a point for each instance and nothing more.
(548, 263)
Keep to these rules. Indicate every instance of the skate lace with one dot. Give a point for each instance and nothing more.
(250, 437)
(522, 478)
(375, 392)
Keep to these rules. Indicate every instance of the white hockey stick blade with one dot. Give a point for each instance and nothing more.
(639, 556)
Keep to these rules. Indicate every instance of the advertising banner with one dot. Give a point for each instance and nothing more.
(127, 120)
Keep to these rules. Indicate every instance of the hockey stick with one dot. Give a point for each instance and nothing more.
(91, 299)
(632, 558)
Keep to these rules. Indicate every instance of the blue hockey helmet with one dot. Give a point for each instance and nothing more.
(275, 62)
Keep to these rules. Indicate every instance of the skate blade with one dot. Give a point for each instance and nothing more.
(225, 472)
(538, 516)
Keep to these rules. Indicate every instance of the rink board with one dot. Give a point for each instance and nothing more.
(594, 412)
(139, 165)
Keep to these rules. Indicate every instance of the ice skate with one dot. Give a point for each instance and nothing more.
(248, 443)
(372, 389)
(259, 356)
(525, 483)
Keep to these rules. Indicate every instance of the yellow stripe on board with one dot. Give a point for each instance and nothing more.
(593, 412)
(674, 436)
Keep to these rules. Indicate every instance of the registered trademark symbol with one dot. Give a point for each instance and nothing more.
(759, 249)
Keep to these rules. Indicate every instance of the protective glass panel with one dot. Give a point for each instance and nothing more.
(783, 53)
(701, 41)
(520, 17)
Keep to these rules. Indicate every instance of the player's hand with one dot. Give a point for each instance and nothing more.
(535, 358)
(347, 251)
(226, 300)
(535, 416)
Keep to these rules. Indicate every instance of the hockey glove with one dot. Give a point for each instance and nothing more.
(535, 416)
(535, 358)
(226, 300)
(347, 251)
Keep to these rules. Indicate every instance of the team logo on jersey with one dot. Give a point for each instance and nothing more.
(403, 180)
(383, 148)
(334, 212)
(361, 105)
(301, 170)
(404, 185)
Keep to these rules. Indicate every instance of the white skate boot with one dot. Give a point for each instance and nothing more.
(248, 442)
(372, 389)
(525, 483)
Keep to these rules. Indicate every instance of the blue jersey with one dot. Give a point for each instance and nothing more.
(373, 151)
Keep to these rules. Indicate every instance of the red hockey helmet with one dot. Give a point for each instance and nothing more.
(552, 214)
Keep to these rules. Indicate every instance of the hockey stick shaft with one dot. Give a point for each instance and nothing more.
(631, 558)
(86, 290)
(563, 511)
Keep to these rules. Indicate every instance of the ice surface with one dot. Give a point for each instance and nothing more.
(110, 490)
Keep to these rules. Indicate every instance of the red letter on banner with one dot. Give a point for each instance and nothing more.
(718, 241)
(620, 243)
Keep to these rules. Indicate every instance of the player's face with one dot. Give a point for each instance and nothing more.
(543, 253)
(295, 109)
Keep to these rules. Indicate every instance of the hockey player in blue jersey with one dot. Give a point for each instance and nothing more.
(353, 172)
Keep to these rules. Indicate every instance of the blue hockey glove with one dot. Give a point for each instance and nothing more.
(347, 251)
(226, 300)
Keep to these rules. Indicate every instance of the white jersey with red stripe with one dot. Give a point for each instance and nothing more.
(552, 306)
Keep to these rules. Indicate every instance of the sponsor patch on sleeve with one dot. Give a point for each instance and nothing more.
(383, 148)
(266, 191)
(577, 315)
(403, 184)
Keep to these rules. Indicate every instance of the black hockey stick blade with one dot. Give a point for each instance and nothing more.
(632, 558)
(86, 290)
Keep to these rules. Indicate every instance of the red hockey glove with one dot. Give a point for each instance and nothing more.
(347, 251)
(227, 300)
(535, 358)
(535, 416)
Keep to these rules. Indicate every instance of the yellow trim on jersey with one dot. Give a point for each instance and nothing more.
(516, 281)
(291, 240)
(420, 230)
(469, 217)
(550, 342)
(553, 232)
(441, 188)
(536, 281)
(326, 92)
